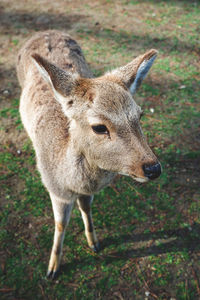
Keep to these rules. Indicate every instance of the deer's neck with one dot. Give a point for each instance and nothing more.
(87, 177)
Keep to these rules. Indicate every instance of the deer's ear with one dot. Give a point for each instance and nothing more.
(134, 72)
(60, 81)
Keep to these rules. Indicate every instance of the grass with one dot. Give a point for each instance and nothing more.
(149, 233)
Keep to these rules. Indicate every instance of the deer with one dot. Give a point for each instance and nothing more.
(85, 130)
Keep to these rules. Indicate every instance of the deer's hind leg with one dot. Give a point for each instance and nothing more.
(84, 204)
(62, 212)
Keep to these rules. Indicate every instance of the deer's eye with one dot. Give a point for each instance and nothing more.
(100, 129)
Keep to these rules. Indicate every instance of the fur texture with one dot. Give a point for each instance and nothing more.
(60, 104)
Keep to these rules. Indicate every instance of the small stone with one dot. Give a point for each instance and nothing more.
(6, 92)
(147, 293)
(152, 110)
(182, 87)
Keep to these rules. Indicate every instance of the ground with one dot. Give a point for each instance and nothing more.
(150, 233)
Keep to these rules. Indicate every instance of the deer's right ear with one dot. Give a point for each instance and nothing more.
(61, 82)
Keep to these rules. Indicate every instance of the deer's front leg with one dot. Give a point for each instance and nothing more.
(62, 213)
(84, 204)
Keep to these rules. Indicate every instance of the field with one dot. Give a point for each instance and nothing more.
(149, 233)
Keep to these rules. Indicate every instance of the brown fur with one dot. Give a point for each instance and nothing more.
(58, 114)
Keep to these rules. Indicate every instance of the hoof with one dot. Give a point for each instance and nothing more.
(95, 248)
(52, 274)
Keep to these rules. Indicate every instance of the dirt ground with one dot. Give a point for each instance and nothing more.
(111, 33)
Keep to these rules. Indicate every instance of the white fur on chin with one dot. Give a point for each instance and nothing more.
(138, 179)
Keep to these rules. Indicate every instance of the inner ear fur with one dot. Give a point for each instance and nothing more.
(62, 81)
(137, 70)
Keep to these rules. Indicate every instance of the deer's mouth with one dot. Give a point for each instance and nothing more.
(140, 179)
(136, 178)
(149, 172)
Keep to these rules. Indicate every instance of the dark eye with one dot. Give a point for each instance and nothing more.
(100, 129)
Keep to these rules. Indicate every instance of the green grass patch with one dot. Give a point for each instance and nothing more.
(149, 233)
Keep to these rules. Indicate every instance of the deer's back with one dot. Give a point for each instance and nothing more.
(41, 114)
(40, 111)
(58, 47)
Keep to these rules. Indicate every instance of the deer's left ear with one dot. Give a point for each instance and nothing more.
(134, 72)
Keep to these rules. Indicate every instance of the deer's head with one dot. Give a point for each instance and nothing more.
(104, 118)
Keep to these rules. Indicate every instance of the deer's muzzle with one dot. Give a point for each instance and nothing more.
(152, 171)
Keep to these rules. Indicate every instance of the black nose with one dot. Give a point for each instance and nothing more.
(152, 171)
